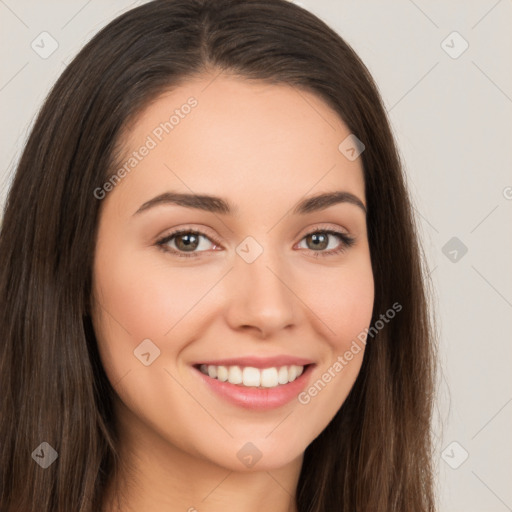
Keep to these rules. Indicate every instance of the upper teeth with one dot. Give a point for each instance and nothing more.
(253, 377)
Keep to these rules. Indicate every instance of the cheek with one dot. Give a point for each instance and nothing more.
(344, 304)
(140, 296)
(342, 299)
(349, 316)
(352, 308)
(144, 294)
(140, 299)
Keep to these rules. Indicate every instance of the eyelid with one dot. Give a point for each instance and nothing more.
(324, 227)
(346, 239)
(201, 230)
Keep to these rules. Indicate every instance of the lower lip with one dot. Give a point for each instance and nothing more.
(258, 398)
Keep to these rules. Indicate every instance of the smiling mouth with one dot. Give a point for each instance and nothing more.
(251, 377)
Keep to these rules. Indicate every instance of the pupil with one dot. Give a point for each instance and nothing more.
(317, 238)
(187, 242)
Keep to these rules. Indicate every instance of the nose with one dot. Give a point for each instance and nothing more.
(260, 297)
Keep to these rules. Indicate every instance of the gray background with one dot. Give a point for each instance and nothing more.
(451, 115)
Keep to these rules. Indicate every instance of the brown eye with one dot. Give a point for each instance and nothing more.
(187, 242)
(318, 241)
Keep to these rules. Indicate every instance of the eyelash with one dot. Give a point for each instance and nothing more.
(346, 242)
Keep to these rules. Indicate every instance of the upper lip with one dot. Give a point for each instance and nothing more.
(259, 362)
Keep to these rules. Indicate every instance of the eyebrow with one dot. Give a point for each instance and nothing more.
(219, 205)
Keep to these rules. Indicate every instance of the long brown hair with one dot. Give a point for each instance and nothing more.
(376, 453)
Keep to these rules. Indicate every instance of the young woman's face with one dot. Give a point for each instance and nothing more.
(250, 291)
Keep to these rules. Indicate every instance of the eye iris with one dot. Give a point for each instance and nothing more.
(323, 238)
(190, 241)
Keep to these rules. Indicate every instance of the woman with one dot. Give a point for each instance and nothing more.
(211, 283)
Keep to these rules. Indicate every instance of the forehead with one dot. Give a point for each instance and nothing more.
(231, 136)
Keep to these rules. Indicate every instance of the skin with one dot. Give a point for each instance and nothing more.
(263, 148)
